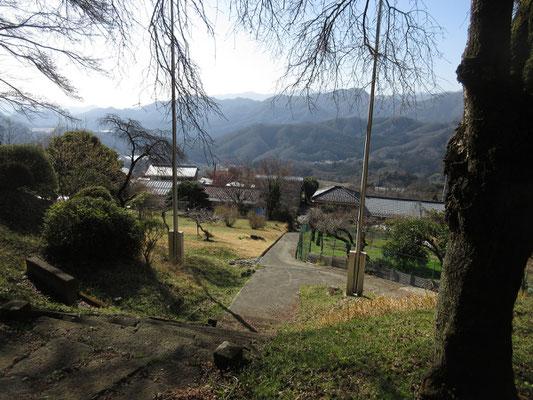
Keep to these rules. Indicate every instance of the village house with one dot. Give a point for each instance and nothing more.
(158, 179)
(375, 206)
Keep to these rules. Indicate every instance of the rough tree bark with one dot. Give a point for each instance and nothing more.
(489, 208)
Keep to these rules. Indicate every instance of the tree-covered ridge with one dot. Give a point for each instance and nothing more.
(241, 113)
(415, 146)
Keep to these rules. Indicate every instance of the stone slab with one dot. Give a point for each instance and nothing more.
(92, 378)
(119, 357)
(228, 355)
(62, 285)
(56, 355)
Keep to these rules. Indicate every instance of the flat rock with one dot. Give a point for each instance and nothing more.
(332, 290)
(10, 353)
(156, 378)
(15, 388)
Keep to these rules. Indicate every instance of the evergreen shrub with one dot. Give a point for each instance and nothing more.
(89, 228)
(28, 185)
(95, 192)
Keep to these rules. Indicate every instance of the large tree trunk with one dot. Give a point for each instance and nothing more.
(489, 164)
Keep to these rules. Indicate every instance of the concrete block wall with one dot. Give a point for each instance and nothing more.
(60, 284)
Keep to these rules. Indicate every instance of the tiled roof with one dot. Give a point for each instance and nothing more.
(287, 178)
(160, 188)
(228, 194)
(184, 171)
(337, 195)
(385, 207)
(382, 207)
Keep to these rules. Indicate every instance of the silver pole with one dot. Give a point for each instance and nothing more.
(359, 236)
(174, 140)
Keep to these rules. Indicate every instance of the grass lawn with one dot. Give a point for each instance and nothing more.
(237, 238)
(14, 248)
(198, 290)
(382, 356)
(337, 248)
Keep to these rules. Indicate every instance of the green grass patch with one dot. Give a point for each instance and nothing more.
(215, 285)
(314, 302)
(14, 284)
(523, 345)
(331, 246)
(382, 357)
(371, 358)
(194, 292)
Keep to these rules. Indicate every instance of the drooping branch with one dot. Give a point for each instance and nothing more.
(328, 45)
(193, 105)
(143, 144)
(42, 36)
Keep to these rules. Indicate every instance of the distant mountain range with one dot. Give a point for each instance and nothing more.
(244, 95)
(240, 113)
(324, 136)
(413, 146)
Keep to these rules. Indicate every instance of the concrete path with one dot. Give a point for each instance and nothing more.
(271, 295)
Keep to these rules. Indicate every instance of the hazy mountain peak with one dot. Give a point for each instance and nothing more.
(243, 95)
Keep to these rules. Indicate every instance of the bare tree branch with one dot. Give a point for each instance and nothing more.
(13, 132)
(42, 36)
(328, 44)
(193, 105)
(143, 143)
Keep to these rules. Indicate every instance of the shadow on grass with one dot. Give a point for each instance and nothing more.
(129, 285)
(214, 271)
(218, 274)
(237, 317)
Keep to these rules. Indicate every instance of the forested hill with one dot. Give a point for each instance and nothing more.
(324, 138)
(241, 113)
(413, 146)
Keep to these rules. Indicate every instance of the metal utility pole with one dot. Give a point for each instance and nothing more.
(357, 260)
(175, 239)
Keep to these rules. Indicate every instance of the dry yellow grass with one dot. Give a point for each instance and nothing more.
(237, 238)
(348, 309)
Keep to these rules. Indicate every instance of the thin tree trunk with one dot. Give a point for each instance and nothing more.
(489, 210)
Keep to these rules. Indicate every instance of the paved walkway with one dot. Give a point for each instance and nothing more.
(271, 296)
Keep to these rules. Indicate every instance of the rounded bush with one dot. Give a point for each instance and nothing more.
(228, 214)
(22, 211)
(26, 167)
(90, 228)
(256, 221)
(96, 192)
(28, 185)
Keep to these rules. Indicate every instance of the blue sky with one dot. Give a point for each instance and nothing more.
(453, 16)
(236, 64)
